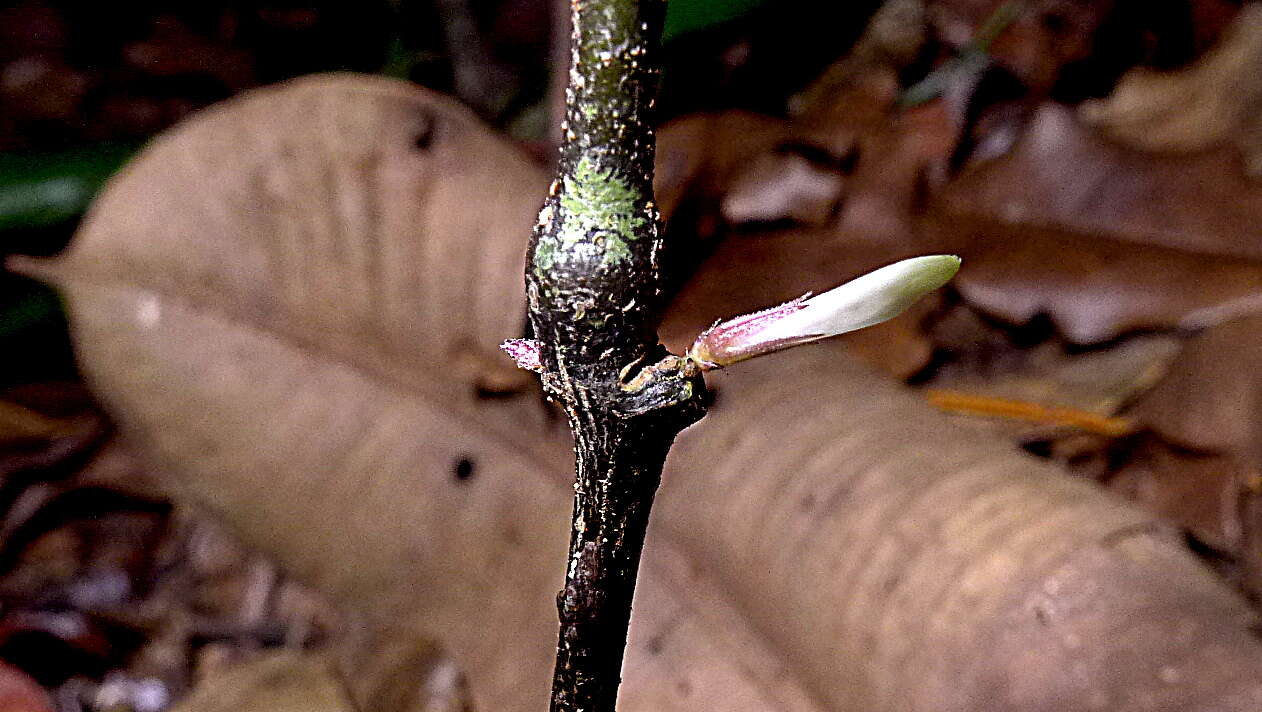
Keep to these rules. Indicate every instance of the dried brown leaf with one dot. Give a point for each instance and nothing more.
(281, 682)
(1092, 288)
(1061, 174)
(19, 693)
(822, 542)
(1214, 101)
(698, 156)
(1200, 492)
(276, 301)
(1210, 401)
(962, 572)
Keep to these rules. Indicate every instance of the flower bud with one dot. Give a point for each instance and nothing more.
(870, 299)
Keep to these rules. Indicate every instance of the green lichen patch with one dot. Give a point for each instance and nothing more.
(595, 207)
(598, 201)
(616, 249)
(545, 253)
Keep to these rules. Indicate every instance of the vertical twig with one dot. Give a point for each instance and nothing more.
(592, 280)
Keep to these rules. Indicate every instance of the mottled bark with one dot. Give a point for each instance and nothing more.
(592, 280)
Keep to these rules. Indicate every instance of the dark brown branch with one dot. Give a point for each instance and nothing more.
(592, 280)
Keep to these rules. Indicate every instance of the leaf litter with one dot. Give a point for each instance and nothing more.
(1112, 295)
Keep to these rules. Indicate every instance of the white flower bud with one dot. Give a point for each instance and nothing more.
(870, 299)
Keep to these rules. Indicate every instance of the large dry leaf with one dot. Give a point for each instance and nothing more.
(822, 541)
(906, 565)
(275, 301)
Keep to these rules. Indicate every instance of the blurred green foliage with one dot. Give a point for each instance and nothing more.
(41, 199)
(43, 190)
(685, 16)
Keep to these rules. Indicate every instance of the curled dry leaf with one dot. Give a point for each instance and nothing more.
(1062, 174)
(1200, 492)
(1215, 100)
(1092, 288)
(698, 155)
(822, 542)
(783, 185)
(1211, 399)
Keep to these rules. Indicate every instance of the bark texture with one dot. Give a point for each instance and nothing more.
(592, 279)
